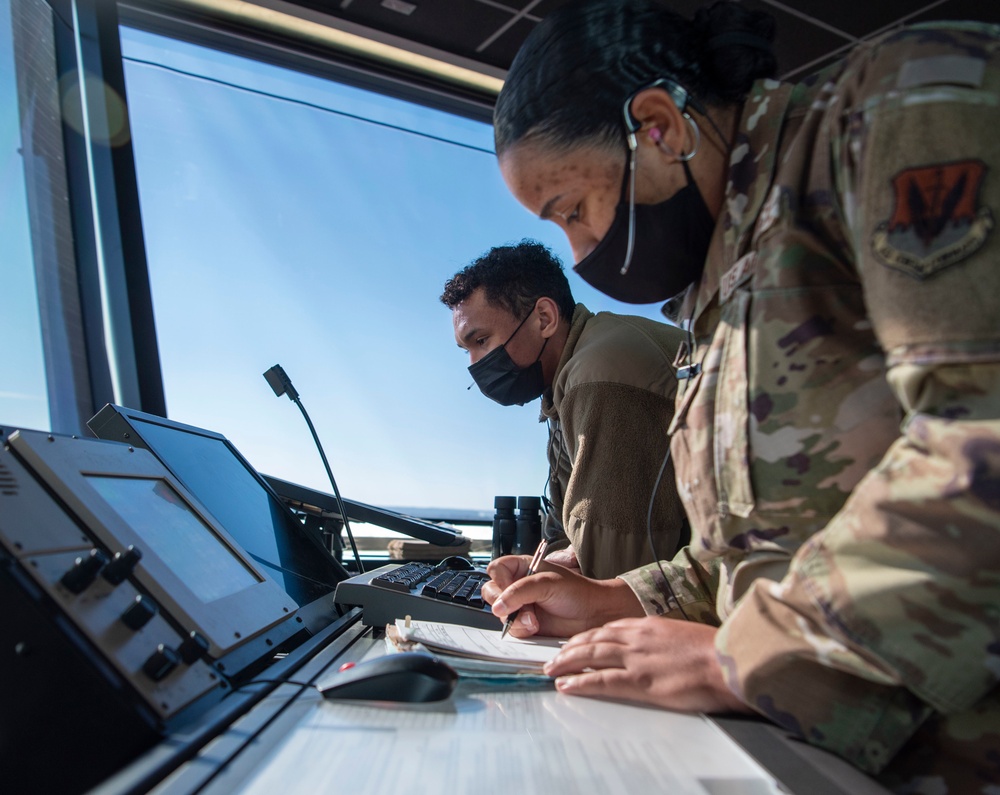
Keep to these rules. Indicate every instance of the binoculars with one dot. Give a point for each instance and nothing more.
(520, 534)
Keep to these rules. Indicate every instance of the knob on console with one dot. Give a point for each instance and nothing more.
(138, 614)
(84, 571)
(122, 565)
(160, 663)
(193, 649)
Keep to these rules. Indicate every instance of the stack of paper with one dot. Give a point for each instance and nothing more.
(476, 651)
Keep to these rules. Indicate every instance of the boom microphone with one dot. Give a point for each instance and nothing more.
(282, 385)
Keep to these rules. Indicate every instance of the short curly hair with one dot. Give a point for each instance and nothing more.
(513, 277)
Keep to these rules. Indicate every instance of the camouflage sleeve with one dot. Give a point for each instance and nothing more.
(688, 591)
(889, 618)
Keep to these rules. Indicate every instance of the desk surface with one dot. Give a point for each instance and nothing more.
(494, 739)
(488, 739)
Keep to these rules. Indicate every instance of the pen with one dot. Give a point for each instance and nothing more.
(532, 567)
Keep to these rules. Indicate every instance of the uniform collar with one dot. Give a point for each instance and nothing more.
(752, 165)
(752, 162)
(580, 317)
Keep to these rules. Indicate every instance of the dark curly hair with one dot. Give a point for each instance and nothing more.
(572, 75)
(513, 277)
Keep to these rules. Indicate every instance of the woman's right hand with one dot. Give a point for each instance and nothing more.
(555, 601)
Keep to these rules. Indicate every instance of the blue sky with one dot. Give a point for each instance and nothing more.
(286, 232)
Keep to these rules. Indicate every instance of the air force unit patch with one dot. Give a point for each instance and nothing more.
(936, 220)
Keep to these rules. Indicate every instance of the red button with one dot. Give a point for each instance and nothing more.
(345, 666)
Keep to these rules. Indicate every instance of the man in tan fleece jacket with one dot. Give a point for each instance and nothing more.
(607, 386)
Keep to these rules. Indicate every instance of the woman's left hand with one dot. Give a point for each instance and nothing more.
(651, 660)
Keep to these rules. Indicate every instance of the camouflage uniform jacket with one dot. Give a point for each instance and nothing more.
(839, 452)
(609, 407)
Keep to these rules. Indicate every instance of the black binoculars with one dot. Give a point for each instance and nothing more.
(520, 534)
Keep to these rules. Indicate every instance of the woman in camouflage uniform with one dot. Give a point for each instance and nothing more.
(831, 248)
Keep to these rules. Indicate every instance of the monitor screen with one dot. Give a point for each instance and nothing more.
(239, 499)
(168, 526)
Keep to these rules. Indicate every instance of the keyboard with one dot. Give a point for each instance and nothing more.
(425, 591)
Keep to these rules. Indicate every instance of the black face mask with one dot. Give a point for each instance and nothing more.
(669, 244)
(501, 380)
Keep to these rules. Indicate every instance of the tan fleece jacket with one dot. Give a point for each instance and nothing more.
(608, 409)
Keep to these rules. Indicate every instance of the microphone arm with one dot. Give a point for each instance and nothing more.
(282, 385)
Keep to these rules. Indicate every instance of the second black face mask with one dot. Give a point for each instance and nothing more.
(500, 379)
(669, 248)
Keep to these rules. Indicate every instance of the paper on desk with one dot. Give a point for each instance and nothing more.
(496, 671)
(480, 644)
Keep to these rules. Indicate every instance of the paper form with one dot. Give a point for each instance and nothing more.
(482, 644)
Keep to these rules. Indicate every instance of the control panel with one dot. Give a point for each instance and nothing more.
(126, 558)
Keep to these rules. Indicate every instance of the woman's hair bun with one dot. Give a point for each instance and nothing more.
(575, 70)
(736, 47)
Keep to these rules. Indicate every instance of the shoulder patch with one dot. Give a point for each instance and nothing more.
(936, 219)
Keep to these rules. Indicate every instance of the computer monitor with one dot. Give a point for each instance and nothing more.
(236, 495)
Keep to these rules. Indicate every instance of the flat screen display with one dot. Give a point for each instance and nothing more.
(242, 504)
(178, 536)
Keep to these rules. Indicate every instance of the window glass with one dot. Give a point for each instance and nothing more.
(292, 220)
(23, 399)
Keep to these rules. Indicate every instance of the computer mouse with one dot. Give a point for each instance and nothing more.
(458, 563)
(406, 676)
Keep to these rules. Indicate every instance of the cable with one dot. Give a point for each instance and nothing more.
(307, 104)
(282, 385)
(272, 565)
(690, 370)
(649, 535)
(552, 527)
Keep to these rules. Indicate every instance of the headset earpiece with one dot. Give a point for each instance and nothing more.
(656, 136)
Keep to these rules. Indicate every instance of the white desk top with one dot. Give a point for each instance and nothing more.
(491, 740)
(485, 739)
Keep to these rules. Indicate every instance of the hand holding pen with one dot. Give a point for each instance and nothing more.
(536, 559)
